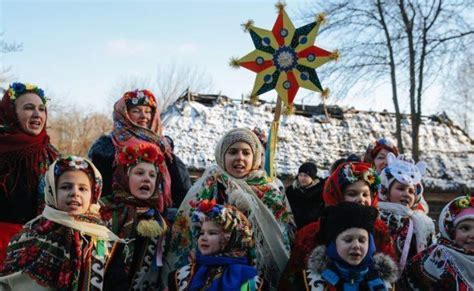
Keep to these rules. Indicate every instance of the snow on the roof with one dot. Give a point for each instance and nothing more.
(196, 129)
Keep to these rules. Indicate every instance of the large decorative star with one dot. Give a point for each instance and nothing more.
(285, 58)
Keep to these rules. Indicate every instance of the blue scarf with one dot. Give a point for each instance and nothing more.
(237, 271)
(352, 276)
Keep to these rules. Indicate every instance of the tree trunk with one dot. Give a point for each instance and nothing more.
(412, 73)
(393, 78)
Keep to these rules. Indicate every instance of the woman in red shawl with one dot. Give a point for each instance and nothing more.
(25, 155)
(136, 119)
(353, 182)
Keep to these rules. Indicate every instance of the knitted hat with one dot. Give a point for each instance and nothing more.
(346, 174)
(375, 147)
(405, 171)
(239, 135)
(456, 211)
(336, 219)
(237, 229)
(309, 169)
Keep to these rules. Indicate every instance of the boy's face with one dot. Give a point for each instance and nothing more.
(380, 160)
(402, 194)
(142, 180)
(211, 238)
(304, 179)
(358, 192)
(74, 192)
(238, 159)
(464, 235)
(352, 245)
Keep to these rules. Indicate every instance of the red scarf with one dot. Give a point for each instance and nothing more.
(20, 153)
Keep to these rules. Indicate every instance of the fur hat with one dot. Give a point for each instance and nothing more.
(239, 135)
(348, 173)
(375, 147)
(310, 169)
(456, 211)
(405, 171)
(345, 215)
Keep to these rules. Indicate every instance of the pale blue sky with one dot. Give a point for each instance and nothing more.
(79, 50)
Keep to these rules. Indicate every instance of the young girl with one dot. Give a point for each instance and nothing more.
(67, 246)
(223, 260)
(449, 264)
(400, 194)
(237, 180)
(351, 182)
(346, 261)
(133, 212)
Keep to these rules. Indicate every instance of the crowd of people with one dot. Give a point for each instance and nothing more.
(129, 218)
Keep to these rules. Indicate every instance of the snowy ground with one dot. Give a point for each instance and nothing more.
(196, 128)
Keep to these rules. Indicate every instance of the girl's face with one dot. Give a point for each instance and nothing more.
(352, 245)
(358, 192)
(238, 159)
(142, 180)
(211, 238)
(464, 235)
(31, 113)
(141, 115)
(304, 180)
(380, 160)
(74, 192)
(402, 194)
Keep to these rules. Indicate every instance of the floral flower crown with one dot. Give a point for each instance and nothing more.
(349, 175)
(71, 163)
(131, 155)
(17, 89)
(139, 97)
(451, 213)
(227, 216)
(461, 204)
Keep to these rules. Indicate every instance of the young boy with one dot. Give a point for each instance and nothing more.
(346, 261)
(305, 195)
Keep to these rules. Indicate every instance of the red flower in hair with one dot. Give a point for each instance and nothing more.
(207, 205)
(148, 153)
(127, 156)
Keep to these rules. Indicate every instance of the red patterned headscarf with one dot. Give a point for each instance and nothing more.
(20, 153)
(130, 155)
(375, 147)
(348, 173)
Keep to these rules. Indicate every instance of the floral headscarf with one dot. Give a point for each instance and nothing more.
(20, 153)
(453, 213)
(72, 163)
(346, 174)
(52, 248)
(129, 156)
(237, 229)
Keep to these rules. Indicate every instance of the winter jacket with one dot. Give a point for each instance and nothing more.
(319, 273)
(306, 203)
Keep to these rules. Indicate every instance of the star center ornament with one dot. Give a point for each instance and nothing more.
(285, 58)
